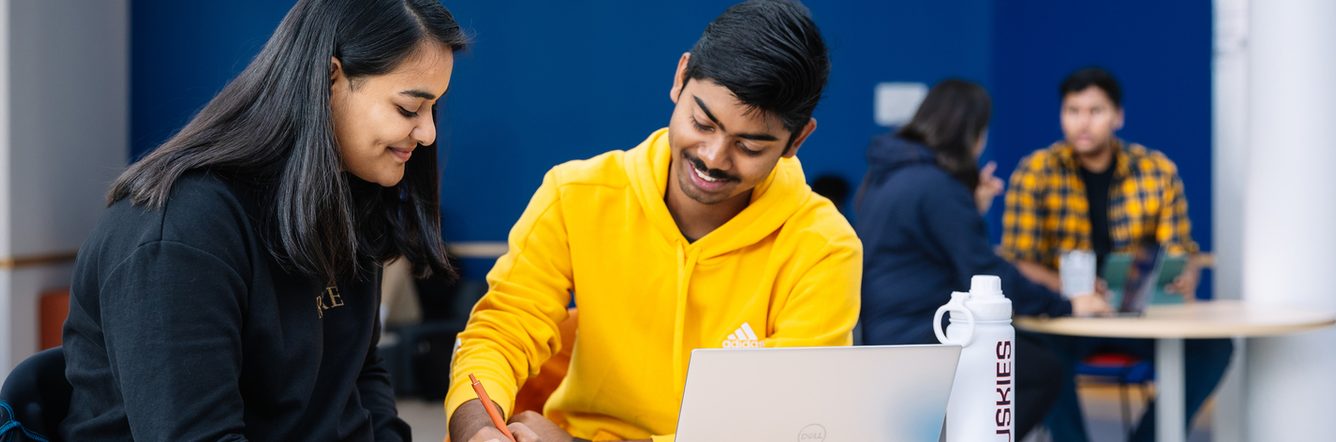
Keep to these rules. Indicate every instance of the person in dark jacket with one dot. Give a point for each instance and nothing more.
(231, 291)
(923, 237)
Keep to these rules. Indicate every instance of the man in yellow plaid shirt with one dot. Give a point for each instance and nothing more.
(1094, 192)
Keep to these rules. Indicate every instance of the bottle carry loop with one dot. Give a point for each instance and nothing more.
(957, 304)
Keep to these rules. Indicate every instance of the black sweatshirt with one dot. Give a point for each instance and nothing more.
(182, 327)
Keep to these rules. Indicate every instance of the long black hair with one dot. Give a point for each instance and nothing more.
(950, 121)
(270, 131)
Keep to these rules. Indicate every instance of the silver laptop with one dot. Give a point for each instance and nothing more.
(817, 394)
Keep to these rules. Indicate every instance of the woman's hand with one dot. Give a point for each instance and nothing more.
(989, 188)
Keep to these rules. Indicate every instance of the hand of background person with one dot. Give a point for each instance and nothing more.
(1186, 283)
(1090, 305)
(989, 188)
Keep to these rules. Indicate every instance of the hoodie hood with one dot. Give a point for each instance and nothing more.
(773, 201)
(889, 152)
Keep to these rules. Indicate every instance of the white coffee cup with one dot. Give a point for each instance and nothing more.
(1076, 268)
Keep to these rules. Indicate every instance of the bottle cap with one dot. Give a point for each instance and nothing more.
(986, 300)
(985, 285)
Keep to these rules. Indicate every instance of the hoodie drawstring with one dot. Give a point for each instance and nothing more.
(686, 263)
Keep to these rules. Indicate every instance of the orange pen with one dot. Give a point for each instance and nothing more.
(491, 408)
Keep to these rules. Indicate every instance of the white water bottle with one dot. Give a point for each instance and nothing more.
(983, 398)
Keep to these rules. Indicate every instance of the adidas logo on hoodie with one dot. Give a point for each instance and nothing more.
(743, 337)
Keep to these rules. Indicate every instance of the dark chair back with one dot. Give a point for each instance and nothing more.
(38, 392)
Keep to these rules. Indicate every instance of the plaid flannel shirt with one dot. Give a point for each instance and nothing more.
(1047, 211)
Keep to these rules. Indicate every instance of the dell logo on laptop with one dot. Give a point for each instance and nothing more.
(812, 433)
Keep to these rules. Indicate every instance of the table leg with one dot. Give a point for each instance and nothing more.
(1169, 420)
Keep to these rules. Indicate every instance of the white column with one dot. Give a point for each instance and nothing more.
(1169, 410)
(64, 105)
(1230, 141)
(1289, 223)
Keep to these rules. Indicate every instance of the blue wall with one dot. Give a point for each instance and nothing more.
(547, 82)
(182, 53)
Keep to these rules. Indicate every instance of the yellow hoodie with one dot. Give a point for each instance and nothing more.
(784, 272)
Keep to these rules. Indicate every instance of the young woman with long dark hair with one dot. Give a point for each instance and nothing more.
(231, 290)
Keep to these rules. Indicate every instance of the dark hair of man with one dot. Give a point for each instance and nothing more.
(768, 53)
(1092, 76)
(270, 131)
(950, 121)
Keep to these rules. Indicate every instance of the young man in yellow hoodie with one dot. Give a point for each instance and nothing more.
(705, 235)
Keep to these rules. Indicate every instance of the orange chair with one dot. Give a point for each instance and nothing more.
(535, 391)
(533, 395)
(52, 309)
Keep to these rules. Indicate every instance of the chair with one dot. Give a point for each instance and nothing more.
(53, 307)
(1122, 369)
(1110, 365)
(536, 390)
(418, 355)
(39, 393)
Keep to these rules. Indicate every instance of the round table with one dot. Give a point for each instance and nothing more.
(1169, 325)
